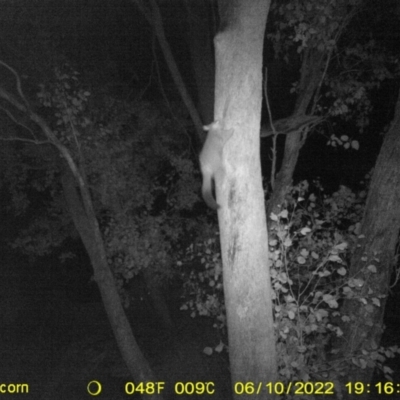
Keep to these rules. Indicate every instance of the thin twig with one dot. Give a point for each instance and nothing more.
(14, 119)
(17, 78)
(275, 134)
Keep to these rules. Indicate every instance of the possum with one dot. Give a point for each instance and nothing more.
(211, 162)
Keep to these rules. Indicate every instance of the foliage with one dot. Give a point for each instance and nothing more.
(310, 243)
(30, 178)
(203, 284)
(356, 72)
(309, 24)
(141, 184)
(136, 167)
(353, 65)
(14, 173)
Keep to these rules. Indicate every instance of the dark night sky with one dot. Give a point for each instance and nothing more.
(111, 42)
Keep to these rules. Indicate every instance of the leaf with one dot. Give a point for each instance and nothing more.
(335, 258)
(341, 246)
(339, 332)
(333, 304)
(273, 217)
(330, 300)
(301, 260)
(358, 282)
(208, 351)
(283, 214)
(355, 145)
(282, 277)
(304, 252)
(372, 268)
(370, 309)
(320, 314)
(327, 297)
(318, 295)
(314, 255)
(219, 347)
(301, 349)
(322, 274)
(376, 301)
(287, 242)
(387, 370)
(305, 230)
(342, 271)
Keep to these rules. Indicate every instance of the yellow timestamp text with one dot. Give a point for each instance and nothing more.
(144, 388)
(180, 388)
(386, 388)
(194, 388)
(281, 388)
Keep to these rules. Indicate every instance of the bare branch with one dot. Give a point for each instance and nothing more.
(274, 152)
(17, 78)
(290, 124)
(52, 138)
(17, 139)
(155, 20)
(15, 120)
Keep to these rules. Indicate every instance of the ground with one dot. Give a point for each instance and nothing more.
(58, 341)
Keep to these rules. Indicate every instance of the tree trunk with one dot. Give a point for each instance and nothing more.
(154, 18)
(81, 208)
(314, 65)
(311, 74)
(89, 231)
(376, 246)
(242, 219)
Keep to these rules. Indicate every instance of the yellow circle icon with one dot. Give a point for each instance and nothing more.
(94, 388)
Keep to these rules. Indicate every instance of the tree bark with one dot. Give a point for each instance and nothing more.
(154, 18)
(242, 219)
(88, 229)
(80, 205)
(314, 65)
(311, 74)
(376, 246)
